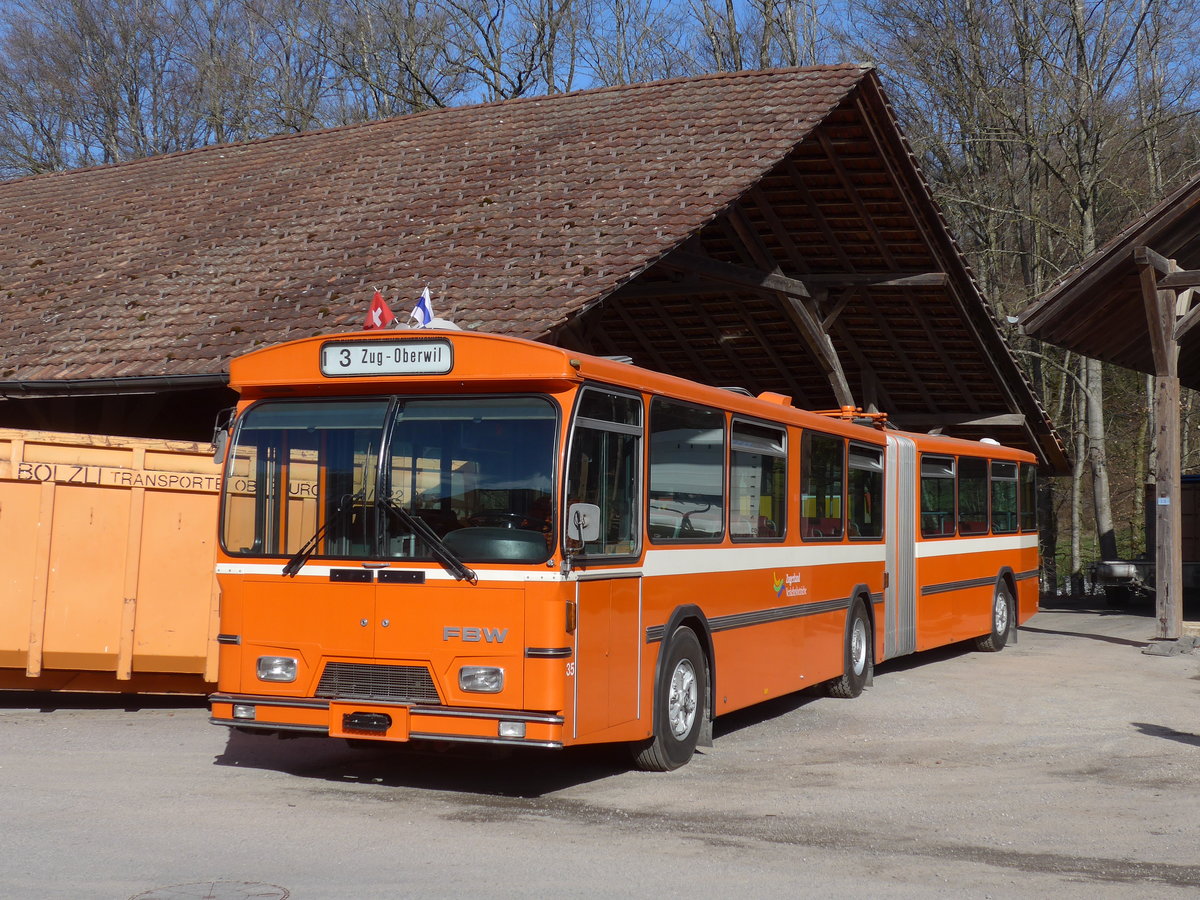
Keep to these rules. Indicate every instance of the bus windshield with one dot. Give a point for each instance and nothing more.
(478, 472)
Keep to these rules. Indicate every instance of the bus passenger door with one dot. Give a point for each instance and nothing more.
(900, 596)
(607, 649)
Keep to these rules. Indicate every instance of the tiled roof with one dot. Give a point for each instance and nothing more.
(516, 214)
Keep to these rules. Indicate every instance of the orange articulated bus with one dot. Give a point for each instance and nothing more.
(450, 536)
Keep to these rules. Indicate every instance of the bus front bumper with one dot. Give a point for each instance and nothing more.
(384, 721)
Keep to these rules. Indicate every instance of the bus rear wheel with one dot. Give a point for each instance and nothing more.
(1002, 607)
(680, 705)
(858, 655)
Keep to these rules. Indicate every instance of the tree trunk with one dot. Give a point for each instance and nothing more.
(1080, 435)
(1098, 457)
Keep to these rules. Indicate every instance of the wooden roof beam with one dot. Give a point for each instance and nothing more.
(1144, 256)
(639, 336)
(700, 363)
(874, 392)
(1181, 278)
(818, 216)
(1160, 309)
(791, 294)
(821, 345)
(848, 185)
(778, 229)
(1189, 322)
(741, 276)
(750, 379)
(800, 309)
(952, 420)
(901, 357)
(878, 279)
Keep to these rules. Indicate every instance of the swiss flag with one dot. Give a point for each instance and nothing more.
(378, 316)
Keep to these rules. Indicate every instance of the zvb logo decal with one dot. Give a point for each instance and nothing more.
(789, 584)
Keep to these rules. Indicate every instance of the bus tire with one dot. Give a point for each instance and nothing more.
(1002, 617)
(680, 705)
(858, 655)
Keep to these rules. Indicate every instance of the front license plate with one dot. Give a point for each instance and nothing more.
(364, 720)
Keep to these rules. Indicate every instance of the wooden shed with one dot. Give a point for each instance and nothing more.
(763, 229)
(1134, 302)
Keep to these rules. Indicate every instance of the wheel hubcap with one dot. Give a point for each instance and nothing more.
(858, 647)
(1001, 617)
(681, 705)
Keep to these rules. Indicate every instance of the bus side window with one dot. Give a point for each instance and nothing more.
(687, 473)
(937, 496)
(1029, 505)
(758, 482)
(1004, 497)
(972, 495)
(605, 469)
(822, 486)
(866, 491)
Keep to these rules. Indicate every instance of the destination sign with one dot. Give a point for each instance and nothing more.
(409, 357)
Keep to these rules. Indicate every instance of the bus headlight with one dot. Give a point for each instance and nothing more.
(276, 668)
(481, 679)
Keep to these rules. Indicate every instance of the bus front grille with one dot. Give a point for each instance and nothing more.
(364, 681)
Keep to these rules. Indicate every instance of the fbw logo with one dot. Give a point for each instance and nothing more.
(474, 635)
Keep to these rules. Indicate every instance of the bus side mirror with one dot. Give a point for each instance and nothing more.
(583, 522)
(221, 433)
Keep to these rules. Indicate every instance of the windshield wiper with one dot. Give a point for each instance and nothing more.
(421, 529)
(296, 563)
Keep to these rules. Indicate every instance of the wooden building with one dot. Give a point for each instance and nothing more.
(1134, 302)
(768, 230)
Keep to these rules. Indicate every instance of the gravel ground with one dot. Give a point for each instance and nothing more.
(1067, 764)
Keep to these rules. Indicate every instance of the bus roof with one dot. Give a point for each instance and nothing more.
(425, 361)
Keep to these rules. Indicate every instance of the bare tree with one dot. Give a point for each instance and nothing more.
(630, 41)
(1026, 114)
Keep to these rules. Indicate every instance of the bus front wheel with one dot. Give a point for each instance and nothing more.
(680, 705)
(1002, 615)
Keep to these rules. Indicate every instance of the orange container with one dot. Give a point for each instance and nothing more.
(106, 563)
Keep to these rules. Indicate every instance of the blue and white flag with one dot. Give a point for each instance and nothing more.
(423, 312)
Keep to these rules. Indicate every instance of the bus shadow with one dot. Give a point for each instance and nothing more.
(730, 723)
(54, 701)
(500, 772)
(1095, 606)
(1091, 636)
(923, 658)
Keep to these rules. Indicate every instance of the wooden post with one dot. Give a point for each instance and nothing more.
(1168, 524)
(1161, 312)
